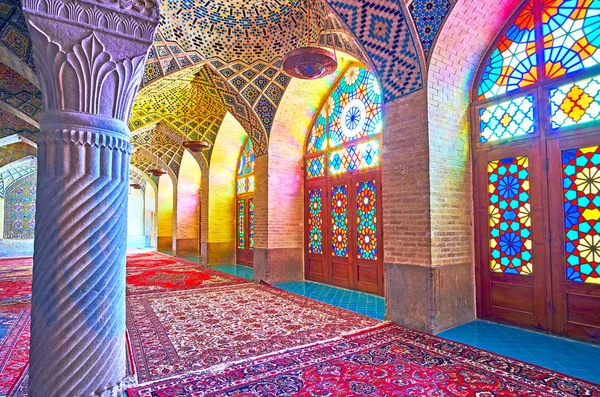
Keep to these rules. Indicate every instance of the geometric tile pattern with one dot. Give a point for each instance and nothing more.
(16, 170)
(11, 124)
(166, 57)
(13, 31)
(143, 161)
(19, 93)
(19, 206)
(381, 27)
(429, 15)
(15, 151)
(161, 145)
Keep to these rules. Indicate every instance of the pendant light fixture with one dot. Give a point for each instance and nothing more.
(136, 186)
(310, 62)
(195, 146)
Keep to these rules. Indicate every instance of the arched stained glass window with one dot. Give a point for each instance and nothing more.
(245, 174)
(536, 133)
(343, 185)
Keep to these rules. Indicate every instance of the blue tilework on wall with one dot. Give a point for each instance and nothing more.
(559, 354)
(359, 302)
(381, 27)
(429, 15)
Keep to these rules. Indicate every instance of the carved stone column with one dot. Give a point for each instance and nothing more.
(90, 58)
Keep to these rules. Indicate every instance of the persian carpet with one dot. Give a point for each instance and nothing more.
(151, 260)
(15, 290)
(173, 274)
(175, 332)
(385, 361)
(16, 267)
(14, 345)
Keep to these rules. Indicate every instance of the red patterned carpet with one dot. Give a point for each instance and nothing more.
(387, 361)
(14, 345)
(175, 332)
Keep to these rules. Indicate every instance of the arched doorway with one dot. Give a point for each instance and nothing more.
(245, 205)
(536, 107)
(343, 236)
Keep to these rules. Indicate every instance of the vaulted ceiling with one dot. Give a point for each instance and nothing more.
(210, 58)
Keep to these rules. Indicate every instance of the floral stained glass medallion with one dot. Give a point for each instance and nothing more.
(366, 219)
(507, 119)
(339, 220)
(509, 216)
(581, 186)
(575, 103)
(571, 35)
(315, 221)
(512, 64)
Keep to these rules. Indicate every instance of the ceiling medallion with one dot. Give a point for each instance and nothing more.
(309, 63)
(137, 186)
(197, 146)
(157, 172)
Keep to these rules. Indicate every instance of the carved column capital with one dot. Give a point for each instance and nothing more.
(90, 55)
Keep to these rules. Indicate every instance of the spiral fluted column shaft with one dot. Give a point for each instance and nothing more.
(78, 302)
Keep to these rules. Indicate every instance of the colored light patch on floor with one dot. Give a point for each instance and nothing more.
(387, 361)
(559, 354)
(366, 304)
(177, 332)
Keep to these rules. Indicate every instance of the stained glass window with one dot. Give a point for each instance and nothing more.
(512, 64)
(509, 219)
(241, 224)
(315, 221)
(581, 183)
(355, 157)
(246, 163)
(352, 111)
(250, 184)
(507, 119)
(571, 35)
(575, 103)
(242, 185)
(251, 223)
(339, 220)
(315, 167)
(366, 218)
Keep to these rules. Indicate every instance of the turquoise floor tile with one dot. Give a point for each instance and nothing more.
(358, 302)
(559, 354)
(236, 270)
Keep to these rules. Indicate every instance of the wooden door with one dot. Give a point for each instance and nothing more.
(250, 232)
(367, 236)
(574, 181)
(514, 271)
(315, 236)
(340, 264)
(245, 230)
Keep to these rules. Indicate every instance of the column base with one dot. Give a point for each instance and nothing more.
(214, 254)
(430, 299)
(187, 246)
(278, 265)
(164, 243)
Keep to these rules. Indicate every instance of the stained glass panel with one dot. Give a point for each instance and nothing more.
(241, 222)
(571, 35)
(242, 185)
(315, 221)
(250, 184)
(366, 218)
(581, 185)
(352, 158)
(339, 220)
(315, 167)
(575, 103)
(246, 163)
(509, 218)
(512, 64)
(317, 138)
(251, 224)
(507, 119)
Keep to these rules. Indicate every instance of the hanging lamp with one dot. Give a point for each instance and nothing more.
(136, 186)
(310, 62)
(158, 172)
(191, 145)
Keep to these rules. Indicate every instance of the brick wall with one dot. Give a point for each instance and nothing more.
(188, 203)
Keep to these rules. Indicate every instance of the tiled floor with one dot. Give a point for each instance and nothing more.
(359, 302)
(560, 354)
(236, 270)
